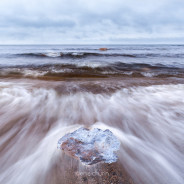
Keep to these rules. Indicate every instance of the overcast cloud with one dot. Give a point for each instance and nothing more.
(91, 21)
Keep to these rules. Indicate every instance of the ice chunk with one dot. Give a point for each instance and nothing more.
(90, 146)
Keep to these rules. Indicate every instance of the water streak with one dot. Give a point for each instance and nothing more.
(149, 122)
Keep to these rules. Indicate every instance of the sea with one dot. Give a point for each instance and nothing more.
(135, 91)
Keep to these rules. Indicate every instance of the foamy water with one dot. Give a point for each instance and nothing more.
(148, 121)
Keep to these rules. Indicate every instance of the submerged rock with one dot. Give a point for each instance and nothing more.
(90, 146)
(103, 49)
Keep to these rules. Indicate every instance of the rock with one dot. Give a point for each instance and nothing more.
(90, 146)
(103, 49)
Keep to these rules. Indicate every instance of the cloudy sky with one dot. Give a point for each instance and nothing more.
(91, 21)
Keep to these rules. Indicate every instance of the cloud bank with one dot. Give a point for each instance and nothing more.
(91, 22)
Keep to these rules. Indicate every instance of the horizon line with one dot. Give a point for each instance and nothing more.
(13, 44)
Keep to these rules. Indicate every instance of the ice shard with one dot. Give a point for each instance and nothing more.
(90, 146)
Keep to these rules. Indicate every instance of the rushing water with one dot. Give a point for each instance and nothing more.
(135, 91)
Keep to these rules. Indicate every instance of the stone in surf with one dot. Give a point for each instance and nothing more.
(90, 146)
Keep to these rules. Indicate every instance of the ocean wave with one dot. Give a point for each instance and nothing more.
(79, 54)
(73, 54)
(59, 71)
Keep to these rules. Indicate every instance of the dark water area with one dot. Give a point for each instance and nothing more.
(135, 91)
(58, 62)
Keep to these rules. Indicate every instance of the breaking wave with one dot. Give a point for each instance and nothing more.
(74, 55)
(92, 70)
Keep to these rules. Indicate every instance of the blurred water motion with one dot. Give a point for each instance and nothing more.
(146, 113)
(147, 120)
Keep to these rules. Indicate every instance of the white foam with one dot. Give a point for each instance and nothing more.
(149, 122)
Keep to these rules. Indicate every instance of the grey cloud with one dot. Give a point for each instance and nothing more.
(36, 22)
(100, 21)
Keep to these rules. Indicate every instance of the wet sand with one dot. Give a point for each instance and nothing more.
(74, 172)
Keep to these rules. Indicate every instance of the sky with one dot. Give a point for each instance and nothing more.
(91, 21)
